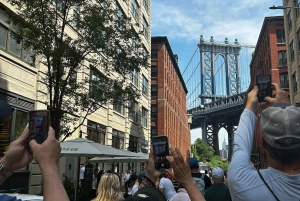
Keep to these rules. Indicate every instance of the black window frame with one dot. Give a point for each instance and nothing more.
(153, 53)
(153, 70)
(284, 80)
(280, 35)
(282, 58)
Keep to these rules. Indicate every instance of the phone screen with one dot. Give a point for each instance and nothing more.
(264, 87)
(161, 151)
(38, 125)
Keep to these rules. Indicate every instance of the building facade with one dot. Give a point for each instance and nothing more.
(121, 127)
(292, 35)
(168, 96)
(269, 57)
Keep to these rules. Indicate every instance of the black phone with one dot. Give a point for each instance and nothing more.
(263, 83)
(161, 151)
(38, 125)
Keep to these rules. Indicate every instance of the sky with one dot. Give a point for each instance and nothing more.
(183, 21)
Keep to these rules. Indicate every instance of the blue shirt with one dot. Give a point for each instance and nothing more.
(243, 180)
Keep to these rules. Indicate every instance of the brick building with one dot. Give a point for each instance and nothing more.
(168, 96)
(269, 57)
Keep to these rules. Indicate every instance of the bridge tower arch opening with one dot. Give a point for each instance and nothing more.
(223, 143)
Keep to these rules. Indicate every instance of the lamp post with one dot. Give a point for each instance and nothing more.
(282, 7)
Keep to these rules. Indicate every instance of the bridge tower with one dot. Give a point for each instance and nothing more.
(209, 52)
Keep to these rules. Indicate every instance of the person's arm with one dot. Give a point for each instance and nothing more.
(16, 156)
(182, 174)
(47, 155)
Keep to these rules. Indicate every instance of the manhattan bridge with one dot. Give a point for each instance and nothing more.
(217, 77)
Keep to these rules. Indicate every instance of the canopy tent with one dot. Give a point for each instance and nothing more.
(140, 157)
(85, 148)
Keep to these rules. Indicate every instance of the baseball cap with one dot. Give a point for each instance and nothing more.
(194, 163)
(133, 177)
(217, 173)
(147, 193)
(141, 175)
(5, 109)
(278, 122)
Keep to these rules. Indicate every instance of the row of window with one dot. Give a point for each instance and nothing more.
(135, 13)
(289, 15)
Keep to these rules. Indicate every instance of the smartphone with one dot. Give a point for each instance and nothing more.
(38, 125)
(263, 83)
(161, 151)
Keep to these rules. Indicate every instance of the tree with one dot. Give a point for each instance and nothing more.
(202, 151)
(85, 52)
(216, 161)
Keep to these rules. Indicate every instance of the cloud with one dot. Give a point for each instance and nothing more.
(187, 20)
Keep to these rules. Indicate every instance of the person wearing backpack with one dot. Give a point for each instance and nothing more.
(201, 179)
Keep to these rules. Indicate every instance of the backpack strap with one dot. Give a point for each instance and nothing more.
(267, 185)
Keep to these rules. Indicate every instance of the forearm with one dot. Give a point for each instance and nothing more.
(148, 182)
(53, 187)
(7, 166)
(193, 191)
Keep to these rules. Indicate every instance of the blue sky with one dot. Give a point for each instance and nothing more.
(183, 21)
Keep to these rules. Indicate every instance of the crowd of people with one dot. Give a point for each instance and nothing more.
(280, 131)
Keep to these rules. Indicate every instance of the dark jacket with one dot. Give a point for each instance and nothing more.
(207, 180)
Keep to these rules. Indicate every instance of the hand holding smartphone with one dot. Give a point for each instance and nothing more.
(38, 126)
(263, 83)
(161, 151)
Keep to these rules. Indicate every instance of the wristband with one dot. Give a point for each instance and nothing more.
(4, 171)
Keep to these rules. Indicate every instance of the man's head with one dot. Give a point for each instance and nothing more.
(194, 165)
(218, 175)
(127, 171)
(280, 129)
(145, 165)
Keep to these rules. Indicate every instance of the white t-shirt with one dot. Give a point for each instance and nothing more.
(134, 189)
(181, 195)
(126, 176)
(168, 187)
(81, 176)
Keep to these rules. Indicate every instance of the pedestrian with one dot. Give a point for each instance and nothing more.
(166, 186)
(280, 131)
(81, 175)
(218, 191)
(201, 179)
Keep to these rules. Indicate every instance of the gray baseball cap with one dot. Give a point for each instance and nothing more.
(278, 122)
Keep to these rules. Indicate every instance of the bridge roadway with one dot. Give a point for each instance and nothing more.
(222, 112)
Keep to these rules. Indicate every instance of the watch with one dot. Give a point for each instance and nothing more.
(4, 171)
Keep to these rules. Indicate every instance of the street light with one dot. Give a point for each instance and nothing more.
(282, 7)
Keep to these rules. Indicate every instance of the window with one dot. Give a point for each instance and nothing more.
(297, 2)
(153, 131)
(96, 132)
(8, 43)
(282, 60)
(290, 21)
(133, 111)
(76, 15)
(298, 36)
(145, 4)
(59, 5)
(154, 54)
(145, 27)
(117, 139)
(292, 51)
(295, 80)
(134, 9)
(134, 78)
(153, 111)
(144, 117)
(120, 17)
(153, 71)
(144, 86)
(284, 80)
(132, 143)
(280, 36)
(95, 84)
(119, 108)
(153, 90)
(145, 52)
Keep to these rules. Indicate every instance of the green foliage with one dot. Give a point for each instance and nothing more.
(71, 39)
(82, 190)
(216, 161)
(202, 151)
